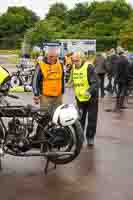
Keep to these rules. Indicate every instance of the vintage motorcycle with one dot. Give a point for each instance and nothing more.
(57, 135)
(23, 76)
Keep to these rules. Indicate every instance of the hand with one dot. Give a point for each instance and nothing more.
(36, 99)
(87, 93)
(68, 85)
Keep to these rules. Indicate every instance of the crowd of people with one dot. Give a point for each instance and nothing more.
(116, 66)
(86, 74)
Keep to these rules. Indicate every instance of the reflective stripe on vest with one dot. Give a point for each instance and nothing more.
(3, 75)
(52, 79)
(80, 80)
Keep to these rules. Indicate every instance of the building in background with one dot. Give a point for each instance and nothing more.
(73, 45)
(65, 46)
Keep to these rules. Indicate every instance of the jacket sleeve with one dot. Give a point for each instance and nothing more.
(37, 81)
(93, 81)
(63, 79)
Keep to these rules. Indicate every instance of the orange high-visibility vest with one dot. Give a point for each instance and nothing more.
(52, 79)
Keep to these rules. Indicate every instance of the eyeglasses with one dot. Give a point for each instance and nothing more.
(75, 60)
(52, 56)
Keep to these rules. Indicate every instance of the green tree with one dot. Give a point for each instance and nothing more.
(105, 21)
(57, 10)
(79, 13)
(45, 30)
(126, 34)
(14, 23)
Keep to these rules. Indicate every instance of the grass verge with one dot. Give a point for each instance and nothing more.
(9, 51)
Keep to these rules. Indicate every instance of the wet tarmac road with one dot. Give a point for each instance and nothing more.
(102, 173)
(105, 172)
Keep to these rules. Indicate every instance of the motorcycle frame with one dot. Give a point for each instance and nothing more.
(36, 116)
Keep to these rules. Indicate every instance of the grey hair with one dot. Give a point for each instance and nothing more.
(51, 49)
(80, 54)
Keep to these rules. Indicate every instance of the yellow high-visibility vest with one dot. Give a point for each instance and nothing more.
(3, 75)
(80, 82)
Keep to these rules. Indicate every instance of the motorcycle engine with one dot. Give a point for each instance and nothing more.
(17, 139)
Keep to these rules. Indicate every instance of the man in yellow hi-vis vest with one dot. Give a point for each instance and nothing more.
(4, 78)
(85, 85)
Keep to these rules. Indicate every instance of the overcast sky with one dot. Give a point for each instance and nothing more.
(39, 6)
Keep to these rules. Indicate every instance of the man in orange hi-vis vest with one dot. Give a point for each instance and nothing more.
(48, 81)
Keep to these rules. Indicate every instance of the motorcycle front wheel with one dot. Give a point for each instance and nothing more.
(73, 147)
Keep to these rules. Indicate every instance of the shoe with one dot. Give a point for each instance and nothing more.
(90, 143)
(108, 110)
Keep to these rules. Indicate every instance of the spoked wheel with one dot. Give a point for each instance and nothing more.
(15, 81)
(67, 153)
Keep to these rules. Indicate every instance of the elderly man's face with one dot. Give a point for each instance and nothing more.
(52, 57)
(76, 60)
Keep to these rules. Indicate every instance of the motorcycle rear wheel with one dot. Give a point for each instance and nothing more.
(15, 81)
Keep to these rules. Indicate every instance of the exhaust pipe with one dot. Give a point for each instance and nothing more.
(46, 154)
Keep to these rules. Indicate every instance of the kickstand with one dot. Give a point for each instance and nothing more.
(47, 165)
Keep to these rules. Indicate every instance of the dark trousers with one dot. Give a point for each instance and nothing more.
(91, 108)
(101, 79)
(122, 93)
(109, 87)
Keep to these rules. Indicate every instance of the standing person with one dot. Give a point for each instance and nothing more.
(85, 85)
(122, 80)
(100, 68)
(48, 81)
(111, 63)
(68, 66)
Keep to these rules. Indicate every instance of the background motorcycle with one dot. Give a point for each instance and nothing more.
(23, 76)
